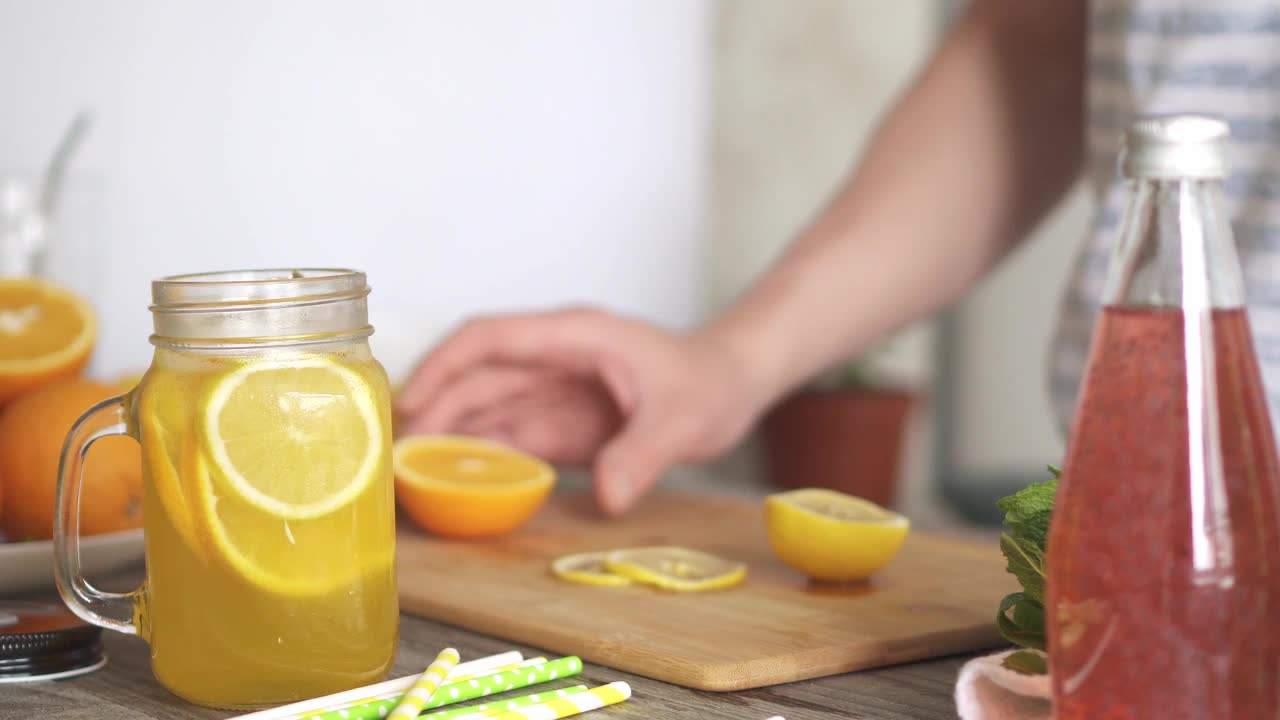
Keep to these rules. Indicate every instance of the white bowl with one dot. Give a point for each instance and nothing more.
(27, 566)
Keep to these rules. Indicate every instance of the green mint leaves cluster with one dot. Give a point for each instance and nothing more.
(1025, 544)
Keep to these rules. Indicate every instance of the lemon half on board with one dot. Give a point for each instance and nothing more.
(587, 569)
(675, 568)
(829, 535)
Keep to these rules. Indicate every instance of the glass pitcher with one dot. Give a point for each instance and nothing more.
(268, 508)
(1163, 572)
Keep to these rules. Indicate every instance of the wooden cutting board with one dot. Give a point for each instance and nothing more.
(938, 597)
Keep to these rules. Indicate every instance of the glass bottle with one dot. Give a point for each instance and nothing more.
(1163, 576)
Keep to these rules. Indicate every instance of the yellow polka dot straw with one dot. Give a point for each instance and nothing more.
(417, 698)
(564, 707)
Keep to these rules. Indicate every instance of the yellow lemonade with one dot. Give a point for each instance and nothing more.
(269, 523)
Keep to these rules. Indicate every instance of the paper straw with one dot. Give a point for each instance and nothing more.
(394, 687)
(592, 699)
(497, 707)
(416, 699)
(462, 690)
(484, 665)
(455, 677)
(379, 706)
(501, 682)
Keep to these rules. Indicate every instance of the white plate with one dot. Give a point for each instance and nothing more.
(27, 566)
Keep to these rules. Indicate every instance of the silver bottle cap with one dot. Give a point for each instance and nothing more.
(1176, 146)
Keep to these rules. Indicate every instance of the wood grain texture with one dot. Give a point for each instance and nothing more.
(937, 598)
(125, 689)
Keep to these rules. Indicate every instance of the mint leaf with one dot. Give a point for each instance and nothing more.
(1025, 625)
(1027, 512)
(1026, 662)
(1025, 562)
(1025, 545)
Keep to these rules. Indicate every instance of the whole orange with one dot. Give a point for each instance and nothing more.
(32, 429)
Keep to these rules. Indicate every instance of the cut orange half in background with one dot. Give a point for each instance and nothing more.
(46, 333)
(463, 487)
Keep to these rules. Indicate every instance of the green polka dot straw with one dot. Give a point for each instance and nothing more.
(467, 689)
(497, 707)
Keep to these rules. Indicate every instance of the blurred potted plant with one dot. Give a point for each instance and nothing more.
(844, 432)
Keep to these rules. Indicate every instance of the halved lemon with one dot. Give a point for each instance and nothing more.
(464, 487)
(295, 437)
(829, 535)
(675, 568)
(46, 333)
(588, 569)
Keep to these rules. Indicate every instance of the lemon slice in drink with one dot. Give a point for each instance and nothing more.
(292, 558)
(676, 568)
(296, 437)
(829, 535)
(587, 569)
(163, 423)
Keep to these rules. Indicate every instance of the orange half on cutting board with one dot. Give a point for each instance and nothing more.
(461, 487)
(46, 333)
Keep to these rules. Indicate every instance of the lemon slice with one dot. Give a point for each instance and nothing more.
(293, 558)
(675, 568)
(162, 409)
(295, 437)
(587, 569)
(829, 535)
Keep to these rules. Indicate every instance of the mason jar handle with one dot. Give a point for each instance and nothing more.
(114, 611)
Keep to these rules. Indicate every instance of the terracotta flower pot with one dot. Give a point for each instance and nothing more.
(847, 440)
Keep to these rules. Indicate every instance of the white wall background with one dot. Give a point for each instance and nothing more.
(471, 156)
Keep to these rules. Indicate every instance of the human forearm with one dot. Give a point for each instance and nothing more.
(981, 147)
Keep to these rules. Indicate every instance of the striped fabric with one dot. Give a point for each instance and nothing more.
(1159, 56)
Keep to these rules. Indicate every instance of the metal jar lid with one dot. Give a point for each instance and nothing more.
(1176, 146)
(44, 641)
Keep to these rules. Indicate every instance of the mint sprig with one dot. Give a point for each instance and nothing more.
(1025, 544)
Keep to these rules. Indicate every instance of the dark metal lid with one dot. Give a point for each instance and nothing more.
(45, 641)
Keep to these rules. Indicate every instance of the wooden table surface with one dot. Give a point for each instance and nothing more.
(125, 690)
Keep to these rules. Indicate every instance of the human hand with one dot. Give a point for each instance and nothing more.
(586, 388)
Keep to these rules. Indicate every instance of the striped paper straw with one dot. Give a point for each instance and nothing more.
(497, 707)
(379, 706)
(388, 688)
(413, 701)
(592, 699)
(463, 689)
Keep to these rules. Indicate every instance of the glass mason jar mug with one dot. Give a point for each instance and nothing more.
(268, 510)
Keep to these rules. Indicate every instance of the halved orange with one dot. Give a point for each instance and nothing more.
(464, 487)
(46, 333)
